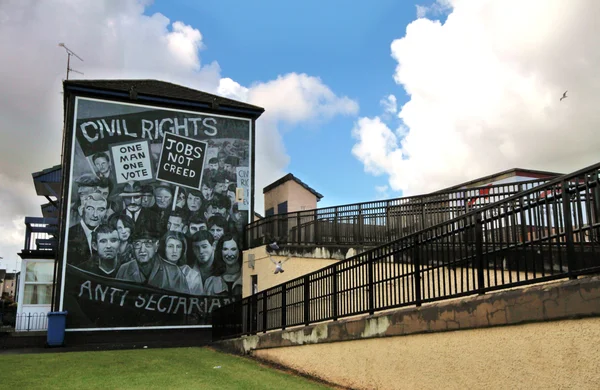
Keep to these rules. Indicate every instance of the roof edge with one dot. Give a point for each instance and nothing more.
(512, 170)
(47, 170)
(289, 177)
(92, 84)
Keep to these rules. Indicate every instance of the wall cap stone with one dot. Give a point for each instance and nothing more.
(551, 301)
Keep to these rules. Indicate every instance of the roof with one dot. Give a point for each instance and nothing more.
(534, 174)
(48, 181)
(258, 215)
(47, 173)
(288, 177)
(163, 89)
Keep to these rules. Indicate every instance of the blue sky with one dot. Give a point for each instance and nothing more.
(348, 47)
(477, 84)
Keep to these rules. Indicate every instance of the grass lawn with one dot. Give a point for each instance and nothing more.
(181, 368)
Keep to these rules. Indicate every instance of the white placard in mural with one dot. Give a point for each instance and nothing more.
(132, 161)
(243, 181)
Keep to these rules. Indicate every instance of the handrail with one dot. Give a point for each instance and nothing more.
(375, 222)
(544, 233)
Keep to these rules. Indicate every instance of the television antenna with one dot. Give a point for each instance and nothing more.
(69, 54)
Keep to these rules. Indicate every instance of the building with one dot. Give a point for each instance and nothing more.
(36, 285)
(289, 194)
(121, 121)
(184, 150)
(8, 284)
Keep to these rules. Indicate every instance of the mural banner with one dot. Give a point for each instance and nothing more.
(154, 224)
(99, 302)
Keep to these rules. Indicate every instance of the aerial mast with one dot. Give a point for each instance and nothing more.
(69, 54)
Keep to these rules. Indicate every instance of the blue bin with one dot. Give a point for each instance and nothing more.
(56, 328)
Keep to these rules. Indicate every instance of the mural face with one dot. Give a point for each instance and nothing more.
(153, 234)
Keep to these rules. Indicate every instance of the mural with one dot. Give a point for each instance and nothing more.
(158, 201)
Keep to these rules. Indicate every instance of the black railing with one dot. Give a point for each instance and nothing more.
(40, 234)
(544, 233)
(375, 223)
(23, 322)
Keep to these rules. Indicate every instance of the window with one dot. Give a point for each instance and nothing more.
(254, 283)
(282, 208)
(38, 282)
(269, 212)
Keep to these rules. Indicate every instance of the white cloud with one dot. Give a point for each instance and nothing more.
(185, 42)
(116, 40)
(19, 200)
(421, 11)
(389, 104)
(437, 8)
(484, 91)
(382, 192)
(298, 97)
(288, 100)
(377, 144)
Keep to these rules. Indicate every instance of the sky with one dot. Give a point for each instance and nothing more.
(363, 100)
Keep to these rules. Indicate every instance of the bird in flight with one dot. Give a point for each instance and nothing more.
(564, 96)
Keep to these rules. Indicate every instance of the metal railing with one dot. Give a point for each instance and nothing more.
(23, 322)
(544, 233)
(375, 223)
(40, 234)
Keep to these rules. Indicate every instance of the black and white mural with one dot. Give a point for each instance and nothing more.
(158, 199)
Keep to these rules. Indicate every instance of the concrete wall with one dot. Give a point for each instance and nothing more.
(294, 267)
(543, 336)
(299, 198)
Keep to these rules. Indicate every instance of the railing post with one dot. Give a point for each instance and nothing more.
(566, 201)
(389, 222)
(255, 313)
(264, 316)
(28, 321)
(316, 221)
(298, 236)
(334, 300)
(423, 214)
(306, 300)
(595, 203)
(417, 270)
(370, 281)
(283, 306)
(336, 232)
(479, 254)
(360, 224)
(246, 319)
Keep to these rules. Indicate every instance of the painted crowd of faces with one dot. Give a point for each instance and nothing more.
(190, 237)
